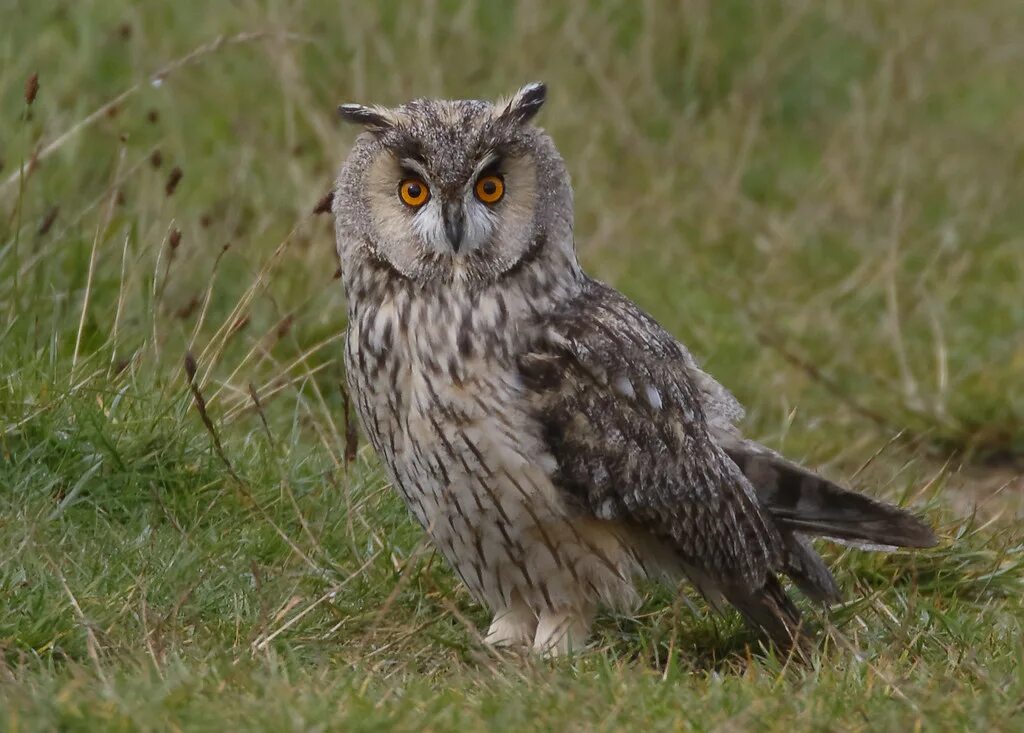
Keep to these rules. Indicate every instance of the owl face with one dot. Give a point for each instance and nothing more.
(451, 190)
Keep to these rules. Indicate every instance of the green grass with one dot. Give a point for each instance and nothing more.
(822, 199)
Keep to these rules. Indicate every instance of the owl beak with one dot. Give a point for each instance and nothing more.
(454, 224)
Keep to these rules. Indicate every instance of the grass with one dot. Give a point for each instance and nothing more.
(822, 199)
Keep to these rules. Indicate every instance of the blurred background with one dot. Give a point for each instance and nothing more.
(823, 199)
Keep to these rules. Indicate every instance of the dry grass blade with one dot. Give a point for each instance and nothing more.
(242, 486)
(262, 643)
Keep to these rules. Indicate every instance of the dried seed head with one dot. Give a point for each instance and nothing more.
(190, 366)
(174, 240)
(189, 308)
(153, 116)
(285, 325)
(156, 159)
(240, 323)
(33, 162)
(31, 89)
(323, 206)
(51, 216)
(173, 180)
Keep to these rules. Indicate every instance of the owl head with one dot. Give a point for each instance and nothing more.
(445, 191)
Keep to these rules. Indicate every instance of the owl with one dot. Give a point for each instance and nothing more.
(554, 441)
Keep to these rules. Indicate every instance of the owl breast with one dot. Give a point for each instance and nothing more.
(438, 395)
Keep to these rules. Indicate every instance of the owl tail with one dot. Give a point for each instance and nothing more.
(805, 504)
(802, 501)
(769, 608)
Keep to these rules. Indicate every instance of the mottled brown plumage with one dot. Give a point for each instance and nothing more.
(554, 441)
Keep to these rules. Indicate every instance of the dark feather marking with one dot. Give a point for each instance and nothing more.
(476, 452)
(477, 565)
(521, 565)
(465, 341)
(445, 480)
(531, 255)
(442, 438)
(499, 579)
(542, 584)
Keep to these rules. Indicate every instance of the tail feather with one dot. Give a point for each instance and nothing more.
(771, 610)
(808, 570)
(803, 504)
(801, 501)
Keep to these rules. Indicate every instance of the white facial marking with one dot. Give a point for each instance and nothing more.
(480, 222)
(428, 223)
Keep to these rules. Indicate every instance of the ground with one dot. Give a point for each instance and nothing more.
(821, 198)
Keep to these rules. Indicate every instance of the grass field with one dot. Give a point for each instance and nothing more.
(823, 199)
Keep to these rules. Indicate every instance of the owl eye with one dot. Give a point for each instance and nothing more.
(490, 189)
(413, 192)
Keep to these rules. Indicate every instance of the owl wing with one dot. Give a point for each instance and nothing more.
(623, 414)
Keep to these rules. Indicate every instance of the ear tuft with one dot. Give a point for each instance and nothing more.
(372, 118)
(526, 102)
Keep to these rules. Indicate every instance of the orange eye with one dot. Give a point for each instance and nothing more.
(413, 192)
(490, 189)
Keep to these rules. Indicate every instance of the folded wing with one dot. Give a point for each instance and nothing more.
(623, 418)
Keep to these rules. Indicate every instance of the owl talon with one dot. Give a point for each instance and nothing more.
(562, 633)
(512, 627)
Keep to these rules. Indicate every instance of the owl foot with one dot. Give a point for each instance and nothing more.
(560, 633)
(512, 627)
